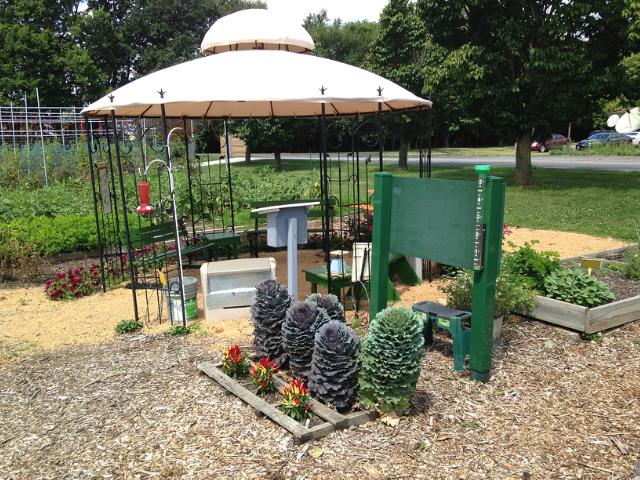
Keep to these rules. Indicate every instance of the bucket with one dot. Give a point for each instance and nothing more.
(361, 262)
(336, 266)
(174, 300)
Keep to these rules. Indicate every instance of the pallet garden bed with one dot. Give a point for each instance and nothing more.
(324, 420)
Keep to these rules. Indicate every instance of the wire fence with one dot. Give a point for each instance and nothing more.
(40, 145)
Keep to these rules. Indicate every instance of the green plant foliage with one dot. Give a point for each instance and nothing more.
(595, 337)
(179, 330)
(48, 236)
(531, 265)
(632, 263)
(128, 326)
(390, 358)
(577, 287)
(70, 198)
(512, 293)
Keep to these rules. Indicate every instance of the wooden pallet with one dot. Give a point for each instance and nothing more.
(331, 419)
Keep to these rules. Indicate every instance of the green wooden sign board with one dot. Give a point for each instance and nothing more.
(453, 222)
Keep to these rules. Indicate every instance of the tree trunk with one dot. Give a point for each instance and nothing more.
(445, 140)
(524, 175)
(247, 154)
(278, 158)
(403, 154)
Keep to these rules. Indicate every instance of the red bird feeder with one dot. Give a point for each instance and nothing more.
(144, 189)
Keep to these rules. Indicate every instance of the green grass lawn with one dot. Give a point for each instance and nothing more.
(583, 201)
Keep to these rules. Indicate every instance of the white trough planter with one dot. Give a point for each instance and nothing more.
(583, 319)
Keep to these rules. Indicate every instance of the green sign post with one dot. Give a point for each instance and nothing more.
(457, 223)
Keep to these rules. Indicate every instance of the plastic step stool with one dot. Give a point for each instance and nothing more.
(456, 322)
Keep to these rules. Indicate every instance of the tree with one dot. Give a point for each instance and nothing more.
(271, 135)
(37, 50)
(346, 42)
(397, 54)
(543, 60)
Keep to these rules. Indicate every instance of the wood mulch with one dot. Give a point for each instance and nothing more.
(621, 286)
(556, 407)
(137, 407)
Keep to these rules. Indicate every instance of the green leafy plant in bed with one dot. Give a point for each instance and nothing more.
(577, 287)
(128, 326)
(390, 357)
(531, 265)
(513, 293)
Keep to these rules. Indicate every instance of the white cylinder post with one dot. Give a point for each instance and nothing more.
(292, 257)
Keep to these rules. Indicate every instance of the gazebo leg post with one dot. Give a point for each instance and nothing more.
(174, 214)
(125, 217)
(325, 199)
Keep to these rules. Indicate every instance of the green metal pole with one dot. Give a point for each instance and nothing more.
(381, 242)
(484, 280)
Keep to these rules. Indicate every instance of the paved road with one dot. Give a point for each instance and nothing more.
(620, 164)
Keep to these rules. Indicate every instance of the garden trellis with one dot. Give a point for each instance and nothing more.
(225, 86)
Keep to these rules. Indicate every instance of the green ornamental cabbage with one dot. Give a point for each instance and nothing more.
(390, 357)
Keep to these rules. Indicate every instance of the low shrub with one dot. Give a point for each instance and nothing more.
(532, 265)
(17, 261)
(69, 198)
(48, 236)
(178, 330)
(577, 287)
(632, 263)
(73, 283)
(128, 326)
(512, 293)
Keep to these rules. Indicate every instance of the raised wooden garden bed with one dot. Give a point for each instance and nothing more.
(583, 319)
(324, 420)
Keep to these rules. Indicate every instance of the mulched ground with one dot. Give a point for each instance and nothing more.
(136, 407)
(621, 286)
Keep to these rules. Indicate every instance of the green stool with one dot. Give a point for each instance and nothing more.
(456, 322)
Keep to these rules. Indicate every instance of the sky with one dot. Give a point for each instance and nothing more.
(348, 10)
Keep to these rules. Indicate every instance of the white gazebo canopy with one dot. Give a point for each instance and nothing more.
(257, 75)
(256, 29)
(257, 83)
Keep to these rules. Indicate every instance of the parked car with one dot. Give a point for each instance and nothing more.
(555, 141)
(603, 139)
(593, 132)
(635, 137)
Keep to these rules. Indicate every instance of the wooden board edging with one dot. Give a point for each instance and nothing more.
(603, 253)
(613, 314)
(583, 319)
(300, 433)
(333, 420)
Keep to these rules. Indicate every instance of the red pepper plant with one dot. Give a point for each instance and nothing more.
(235, 362)
(296, 401)
(262, 374)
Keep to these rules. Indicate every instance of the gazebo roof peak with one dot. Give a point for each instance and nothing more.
(256, 29)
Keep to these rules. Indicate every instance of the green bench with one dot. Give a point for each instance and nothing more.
(253, 235)
(164, 232)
